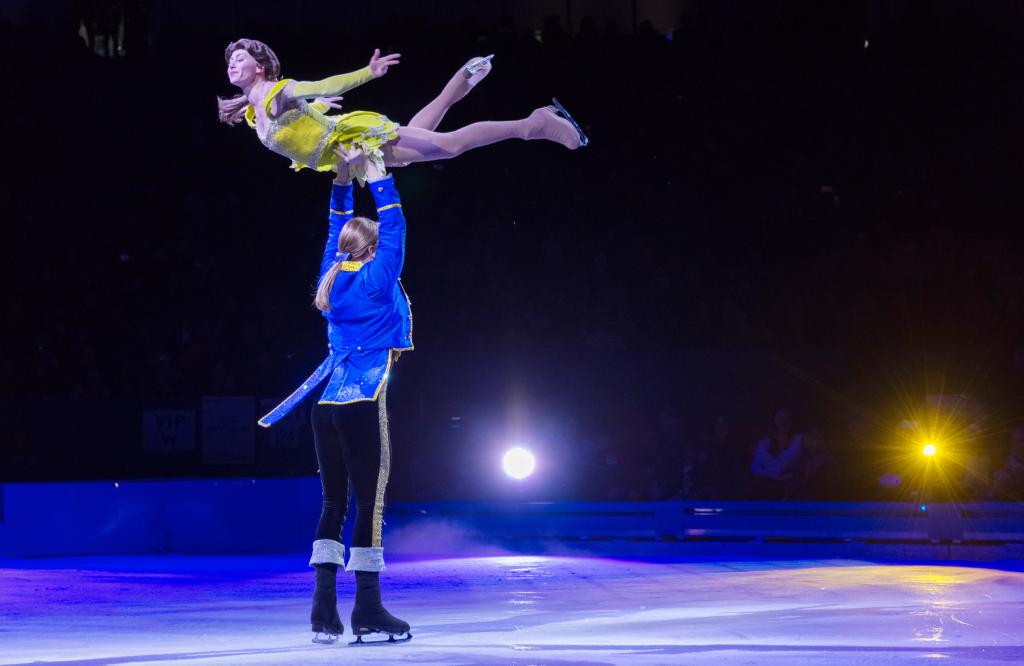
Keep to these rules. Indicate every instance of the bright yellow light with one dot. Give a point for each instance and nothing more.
(929, 450)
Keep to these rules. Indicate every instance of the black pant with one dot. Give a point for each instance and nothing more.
(353, 447)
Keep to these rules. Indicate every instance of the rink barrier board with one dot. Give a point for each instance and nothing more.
(822, 521)
(278, 515)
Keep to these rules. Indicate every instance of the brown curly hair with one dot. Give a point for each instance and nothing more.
(231, 111)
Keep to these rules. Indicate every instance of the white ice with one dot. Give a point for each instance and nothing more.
(514, 610)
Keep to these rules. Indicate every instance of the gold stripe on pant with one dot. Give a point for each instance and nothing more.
(385, 465)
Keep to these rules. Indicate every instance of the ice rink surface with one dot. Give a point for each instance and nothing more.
(515, 610)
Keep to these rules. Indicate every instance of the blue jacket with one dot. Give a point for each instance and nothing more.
(370, 314)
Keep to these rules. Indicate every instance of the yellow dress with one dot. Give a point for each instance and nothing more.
(308, 136)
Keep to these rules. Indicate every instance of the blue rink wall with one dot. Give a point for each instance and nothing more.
(279, 516)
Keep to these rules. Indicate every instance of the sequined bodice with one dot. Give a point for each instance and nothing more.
(306, 135)
(300, 133)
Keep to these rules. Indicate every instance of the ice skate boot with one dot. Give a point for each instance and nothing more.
(324, 619)
(370, 617)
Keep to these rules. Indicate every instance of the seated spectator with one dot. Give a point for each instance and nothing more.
(715, 469)
(812, 479)
(776, 458)
(1008, 480)
(976, 462)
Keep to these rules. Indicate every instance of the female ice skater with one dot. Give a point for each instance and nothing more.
(369, 323)
(288, 124)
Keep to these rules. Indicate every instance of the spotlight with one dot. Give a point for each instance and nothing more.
(929, 450)
(518, 463)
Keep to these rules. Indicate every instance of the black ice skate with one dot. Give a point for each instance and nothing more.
(370, 617)
(324, 618)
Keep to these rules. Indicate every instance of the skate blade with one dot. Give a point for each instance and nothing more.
(565, 114)
(478, 64)
(390, 640)
(324, 638)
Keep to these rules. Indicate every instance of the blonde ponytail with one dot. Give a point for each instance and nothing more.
(323, 291)
(358, 239)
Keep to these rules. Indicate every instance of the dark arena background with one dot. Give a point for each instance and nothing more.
(741, 381)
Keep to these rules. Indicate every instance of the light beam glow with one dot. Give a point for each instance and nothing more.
(518, 463)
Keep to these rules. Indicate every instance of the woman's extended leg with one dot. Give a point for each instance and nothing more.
(429, 117)
(415, 144)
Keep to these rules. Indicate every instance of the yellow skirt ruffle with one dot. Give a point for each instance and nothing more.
(362, 129)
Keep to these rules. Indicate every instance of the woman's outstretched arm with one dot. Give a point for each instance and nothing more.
(338, 84)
